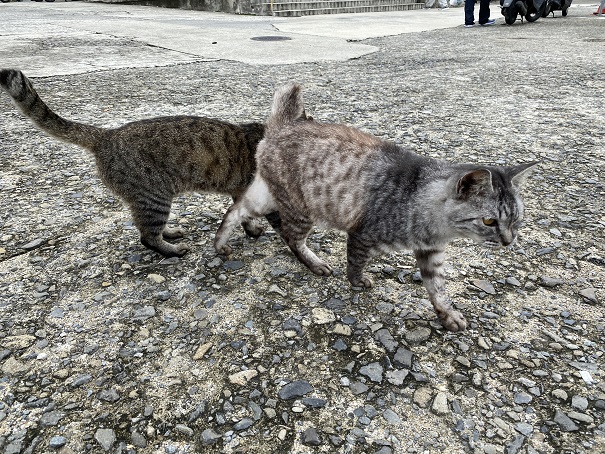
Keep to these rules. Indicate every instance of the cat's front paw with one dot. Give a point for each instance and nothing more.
(182, 249)
(321, 269)
(364, 281)
(173, 233)
(453, 321)
(224, 249)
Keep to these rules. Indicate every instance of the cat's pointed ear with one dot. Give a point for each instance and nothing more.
(475, 182)
(518, 174)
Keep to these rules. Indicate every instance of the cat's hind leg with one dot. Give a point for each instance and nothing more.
(255, 202)
(151, 220)
(252, 227)
(294, 231)
(430, 263)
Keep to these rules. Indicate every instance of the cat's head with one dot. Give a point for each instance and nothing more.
(486, 205)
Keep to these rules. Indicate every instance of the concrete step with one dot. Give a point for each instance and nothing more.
(306, 8)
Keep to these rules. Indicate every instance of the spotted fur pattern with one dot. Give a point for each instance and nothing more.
(385, 197)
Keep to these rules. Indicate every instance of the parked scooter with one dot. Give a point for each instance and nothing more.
(531, 10)
(555, 5)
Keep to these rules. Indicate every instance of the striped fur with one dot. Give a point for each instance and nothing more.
(147, 163)
(385, 197)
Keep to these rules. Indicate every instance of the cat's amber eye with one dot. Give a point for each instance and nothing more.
(489, 221)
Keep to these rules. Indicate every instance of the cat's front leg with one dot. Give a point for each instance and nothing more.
(430, 263)
(358, 256)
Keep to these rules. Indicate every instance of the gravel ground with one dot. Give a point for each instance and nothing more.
(105, 347)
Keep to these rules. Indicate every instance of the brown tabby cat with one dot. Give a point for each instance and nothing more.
(385, 197)
(147, 163)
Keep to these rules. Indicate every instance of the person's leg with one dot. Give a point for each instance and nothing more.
(483, 11)
(469, 12)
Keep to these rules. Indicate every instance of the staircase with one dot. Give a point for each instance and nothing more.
(282, 8)
(285, 8)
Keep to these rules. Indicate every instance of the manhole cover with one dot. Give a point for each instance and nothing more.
(270, 38)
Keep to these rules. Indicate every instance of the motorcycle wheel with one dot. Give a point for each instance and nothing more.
(510, 15)
(533, 14)
(546, 10)
(564, 12)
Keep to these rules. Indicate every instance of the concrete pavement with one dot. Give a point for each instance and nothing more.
(110, 36)
(103, 36)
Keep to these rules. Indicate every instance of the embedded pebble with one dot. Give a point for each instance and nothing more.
(310, 437)
(106, 438)
(418, 335)
(295, 389)
(373, 371)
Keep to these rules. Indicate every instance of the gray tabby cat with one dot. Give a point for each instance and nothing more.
(385, 197)
(147, 163)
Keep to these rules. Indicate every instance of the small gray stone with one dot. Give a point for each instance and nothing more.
(385, 338)
(581, 417)
(418, 335)
(515, 446)
(391, 417)
(440, 406)
(144, 313)
(524, 428)
(339, 345)
(243, 424)
(522, 398)
(396, 377)
(373, 371)
(484, 286)
(209, 437)
(314, 402)
(233, 265)
(57, 312)
(51, 418)
(108, 395)
(513, 281)
(358, 388)
(13, 447)
(138, 440)
(550, 282)
(589, 294)
(295, 389)
(579, 403)
(564, 422)
(106, 438)
(403, 358)
(185, 430)
(422, 396)
(33, 244)
(292, 324)
(57, 441)
(310, 437)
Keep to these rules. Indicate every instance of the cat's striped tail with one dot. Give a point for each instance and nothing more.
(28, 101)
(287, 107)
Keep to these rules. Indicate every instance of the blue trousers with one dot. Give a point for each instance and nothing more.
(469, 11)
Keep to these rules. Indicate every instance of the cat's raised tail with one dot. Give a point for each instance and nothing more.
(28, 101)
(287, 107)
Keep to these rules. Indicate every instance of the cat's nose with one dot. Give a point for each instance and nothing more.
(506, 238)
